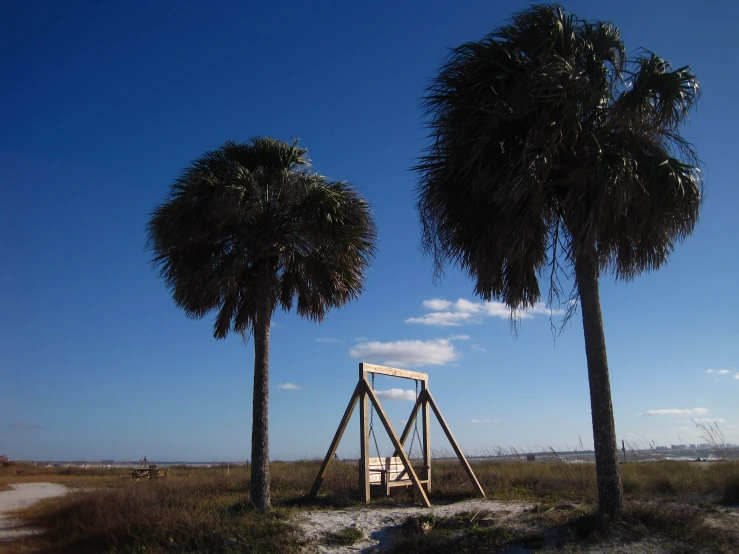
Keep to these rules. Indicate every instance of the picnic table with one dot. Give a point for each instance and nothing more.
(151, 472)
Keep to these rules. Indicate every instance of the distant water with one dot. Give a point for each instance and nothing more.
(588, 456)
(124, 465)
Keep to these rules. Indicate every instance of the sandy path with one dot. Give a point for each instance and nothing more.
(22, 496)
(378, 523)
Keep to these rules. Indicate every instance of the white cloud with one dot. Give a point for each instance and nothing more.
(329, 340)
(675, 411)
(407, 353)
(289, 386)
(442, 319)
(444, 313)
(718, 371)
(459, 337)
(397, 394)
(736, 376)
(437, 304)
(476, 421)
(478, 348)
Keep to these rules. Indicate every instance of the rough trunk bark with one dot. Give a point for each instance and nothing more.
(259, 433)
(610, 492)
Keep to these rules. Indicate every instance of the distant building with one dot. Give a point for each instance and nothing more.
(660, 448)
(678, 446)
(107, 462)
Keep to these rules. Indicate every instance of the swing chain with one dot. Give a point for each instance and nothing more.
(372, 423)
(415, 429)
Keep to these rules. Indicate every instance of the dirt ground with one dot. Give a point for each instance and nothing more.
(379, 523)
(21, 496)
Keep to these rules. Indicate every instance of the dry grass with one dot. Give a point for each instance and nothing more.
(201, 509)
(189, 511)
(94, 477)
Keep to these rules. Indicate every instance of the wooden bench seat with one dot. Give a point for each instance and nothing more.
(389, 472)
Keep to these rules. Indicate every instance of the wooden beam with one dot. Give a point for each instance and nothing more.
(393, 372)
(426, 428)
(396, 443)
(335, 442)
(454, 444)
(364, 477)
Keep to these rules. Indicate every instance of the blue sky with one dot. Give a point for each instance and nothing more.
(102, 107)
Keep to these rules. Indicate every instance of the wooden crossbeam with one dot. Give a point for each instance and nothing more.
(365, 368)
(335, 442)
(454, 444)
(396, 444)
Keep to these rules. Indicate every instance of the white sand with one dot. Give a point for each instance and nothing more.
(378, 523)
(22, 496)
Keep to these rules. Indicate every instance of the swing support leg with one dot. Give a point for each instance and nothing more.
(421, 404)
(455, 446)
(335, 442)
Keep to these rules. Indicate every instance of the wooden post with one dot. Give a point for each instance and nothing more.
(426, 421)
(455, 446)
(396, 443)
(335, 442)
(364, 452)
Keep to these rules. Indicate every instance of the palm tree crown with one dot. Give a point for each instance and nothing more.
(254, 215)
(548, 141)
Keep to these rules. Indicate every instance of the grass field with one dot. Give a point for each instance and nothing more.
(206, 509)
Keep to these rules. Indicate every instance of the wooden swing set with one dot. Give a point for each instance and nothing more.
(395, 471)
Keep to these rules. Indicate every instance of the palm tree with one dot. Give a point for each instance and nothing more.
(551, 154)
(249, 227)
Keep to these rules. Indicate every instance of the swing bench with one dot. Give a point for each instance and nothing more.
(386, 473)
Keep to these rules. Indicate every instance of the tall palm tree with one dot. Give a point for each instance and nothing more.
(250, 227)
(552, 152)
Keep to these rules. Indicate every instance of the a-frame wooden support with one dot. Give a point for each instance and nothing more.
(363, 394)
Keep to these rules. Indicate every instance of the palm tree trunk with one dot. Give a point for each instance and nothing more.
(610, 493)
(260, 403)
